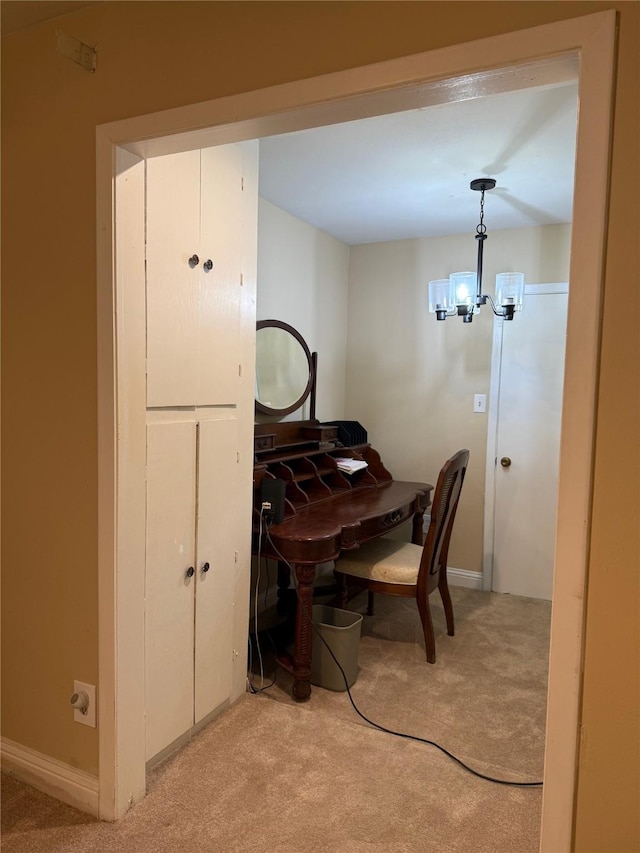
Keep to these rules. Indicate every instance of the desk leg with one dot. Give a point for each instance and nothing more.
(417, 535)
(305, 576)
(284, 602)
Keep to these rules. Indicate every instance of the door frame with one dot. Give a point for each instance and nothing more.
(493, 417)
(435, 76)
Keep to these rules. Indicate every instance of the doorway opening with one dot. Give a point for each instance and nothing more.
(388, 87)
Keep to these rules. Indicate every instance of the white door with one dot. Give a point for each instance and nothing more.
(173, 237)
(527, 444)
(194, 256)
(221, 522)
(222, 243)
(169, 582)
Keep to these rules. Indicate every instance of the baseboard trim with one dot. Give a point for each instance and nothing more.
(184, 738)
(52, 777)
(463, 577)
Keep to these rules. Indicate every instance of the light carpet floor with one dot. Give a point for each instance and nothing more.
(273, 775)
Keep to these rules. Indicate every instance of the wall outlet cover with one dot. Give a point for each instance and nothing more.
(88, 719)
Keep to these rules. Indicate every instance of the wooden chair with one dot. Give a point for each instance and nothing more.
(401, 568)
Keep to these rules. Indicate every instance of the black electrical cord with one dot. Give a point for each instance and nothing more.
(384, 728)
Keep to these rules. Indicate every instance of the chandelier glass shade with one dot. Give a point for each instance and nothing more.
(461, 294)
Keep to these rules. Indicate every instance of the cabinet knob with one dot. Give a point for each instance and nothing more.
(190, 572)
(208, 265)
(205, 567)
(194, 260)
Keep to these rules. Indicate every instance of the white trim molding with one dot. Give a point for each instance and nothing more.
(52, 777)
(464, 577)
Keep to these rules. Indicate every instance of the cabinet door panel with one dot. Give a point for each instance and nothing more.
(173, 236)
(221, 240)
(217, 541)
(169, 593)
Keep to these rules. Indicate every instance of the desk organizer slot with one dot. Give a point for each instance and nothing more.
(373, 460)
(316, 489)
(336, 481)
(296, 495)
(303, 469)
(363, 477)
(325, 463)
(282, 471)
(287, 451)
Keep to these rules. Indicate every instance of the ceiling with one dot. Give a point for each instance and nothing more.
(406, 175)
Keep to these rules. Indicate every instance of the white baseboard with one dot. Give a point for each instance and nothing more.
(52, 777)
(463, 577)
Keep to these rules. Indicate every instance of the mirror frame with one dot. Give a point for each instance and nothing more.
(310, 387)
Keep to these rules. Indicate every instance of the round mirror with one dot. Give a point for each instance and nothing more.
(284, 369)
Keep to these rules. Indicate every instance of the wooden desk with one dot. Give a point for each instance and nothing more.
(326, 512)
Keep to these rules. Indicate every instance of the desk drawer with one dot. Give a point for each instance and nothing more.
(263, 442)
(372, 527)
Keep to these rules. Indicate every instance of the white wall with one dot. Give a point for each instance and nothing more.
(303, 280)
(411, 379)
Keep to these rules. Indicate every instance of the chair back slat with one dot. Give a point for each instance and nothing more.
(443, 511)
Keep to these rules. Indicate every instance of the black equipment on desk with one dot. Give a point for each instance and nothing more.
(349, 432)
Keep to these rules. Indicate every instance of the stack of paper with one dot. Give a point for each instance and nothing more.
(349, 466)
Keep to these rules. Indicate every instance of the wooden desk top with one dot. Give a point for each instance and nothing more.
(318, 532)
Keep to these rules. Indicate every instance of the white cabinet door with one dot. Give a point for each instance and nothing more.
(219, 523)
(221, 239)
(173, 236)
(169, 599)
(195, 207)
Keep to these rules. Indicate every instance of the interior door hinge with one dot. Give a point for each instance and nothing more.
(242, 184)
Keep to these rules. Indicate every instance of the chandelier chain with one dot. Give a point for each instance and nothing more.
(481, 228)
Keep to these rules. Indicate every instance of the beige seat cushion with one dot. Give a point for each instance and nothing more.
(384, 560)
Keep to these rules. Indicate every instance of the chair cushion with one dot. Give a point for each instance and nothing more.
(384, 560)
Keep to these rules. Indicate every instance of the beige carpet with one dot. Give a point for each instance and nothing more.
(272, 775)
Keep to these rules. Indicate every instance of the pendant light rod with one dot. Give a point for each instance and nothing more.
(481, 185)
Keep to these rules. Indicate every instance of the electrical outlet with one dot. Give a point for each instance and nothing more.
(83, 703)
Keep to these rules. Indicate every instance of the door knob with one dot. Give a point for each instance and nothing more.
(190, 572)
(208, 265)
(505, 462)
(194, 260)
(205, 567)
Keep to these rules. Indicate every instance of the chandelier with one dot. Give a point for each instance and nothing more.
(461, 294)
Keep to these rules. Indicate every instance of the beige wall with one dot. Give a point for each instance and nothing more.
(303, 280)
(157, 55)
(411, 380)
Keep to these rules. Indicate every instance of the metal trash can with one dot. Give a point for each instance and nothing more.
(341, 631)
